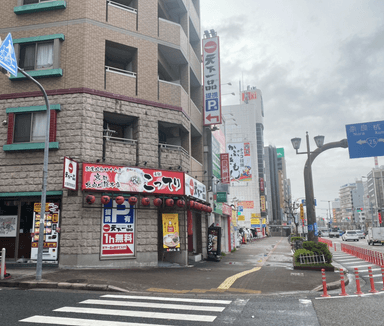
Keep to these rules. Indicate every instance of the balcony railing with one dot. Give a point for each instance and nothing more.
(174, 147)
(120, 71)
(121, 6)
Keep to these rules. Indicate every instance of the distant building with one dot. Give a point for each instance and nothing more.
(272, 185)
(351, 199)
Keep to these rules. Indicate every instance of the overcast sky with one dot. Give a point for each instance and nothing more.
(319, 65)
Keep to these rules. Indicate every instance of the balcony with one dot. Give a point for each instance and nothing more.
(120, 81)
(173, 94)
(120, 151)
(173, 33)
(122, 16)
(174, 158)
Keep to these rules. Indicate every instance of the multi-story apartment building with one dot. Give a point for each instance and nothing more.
(375, 194)
(124, 83)
(351, 200)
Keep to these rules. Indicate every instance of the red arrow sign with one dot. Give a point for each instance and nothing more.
(210, 117)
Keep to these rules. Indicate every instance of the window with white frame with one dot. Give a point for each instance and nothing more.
(29, 2)
(29, 127)
(37, 55)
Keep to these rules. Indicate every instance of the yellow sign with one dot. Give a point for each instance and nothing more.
(171, 236)
(264, 221)
(301, 212)
(241, 218)
(262, 203)
(253, 215)
(37, 207)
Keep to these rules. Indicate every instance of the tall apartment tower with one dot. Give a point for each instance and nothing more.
(245, 134)
(124, 83)
(272, 185)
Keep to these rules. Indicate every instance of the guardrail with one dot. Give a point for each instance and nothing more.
(328, 242)
(2, 259)
(368, 255)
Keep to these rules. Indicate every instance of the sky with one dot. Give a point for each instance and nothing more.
(319, 65)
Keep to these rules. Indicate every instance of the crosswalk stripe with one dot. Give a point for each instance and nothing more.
(153, 305)
(116, 296)
(79, 322)
(141, 314)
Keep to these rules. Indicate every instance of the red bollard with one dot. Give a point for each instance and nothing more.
(343, 293)
(382, 273)
(334, 246)
(358, 290)
(372, 290)
(325, 293)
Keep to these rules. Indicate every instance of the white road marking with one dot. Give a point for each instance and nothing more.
(79, 322)
(140, 314)
(153, 305)
(115, 296)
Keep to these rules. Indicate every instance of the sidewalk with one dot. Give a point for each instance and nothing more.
(260, 267)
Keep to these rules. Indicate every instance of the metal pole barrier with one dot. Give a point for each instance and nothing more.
(382, 273)
(2, 271)
(325, 293)
(358, 290)
(372, 290)
(343, 293)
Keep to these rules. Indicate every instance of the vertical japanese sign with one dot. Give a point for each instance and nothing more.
(262, 185)
(262, 203)
(118, 233)
(239, 163)
(171, 235)
(212, 91)
(70, 174)
(224, 163)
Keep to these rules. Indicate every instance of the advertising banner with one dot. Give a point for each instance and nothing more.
(104, 177)
(211, 74)
(227, 210)
(262, 203)
(248, 96)
(70, 174)
(262, 185)
(247, 204)
(214, 241)
(241, 218)
(255, 222)
(8, 225)
(171, 235)
(239, 164)
(195, 188)
(118, 230)
(224, 165)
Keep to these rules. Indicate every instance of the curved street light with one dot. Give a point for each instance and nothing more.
(308, 181)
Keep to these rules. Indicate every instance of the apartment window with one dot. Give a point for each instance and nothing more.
(27, 125)
(119, 127)
(29, 2)
(36, 56)
(120, 58)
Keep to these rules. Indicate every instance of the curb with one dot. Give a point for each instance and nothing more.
(61, 285)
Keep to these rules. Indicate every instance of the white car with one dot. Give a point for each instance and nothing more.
(361, 234)
(350, 235)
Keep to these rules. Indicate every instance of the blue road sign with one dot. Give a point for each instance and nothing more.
(7, 55)
(365, 139)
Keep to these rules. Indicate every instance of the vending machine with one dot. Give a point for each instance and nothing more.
(51, 231)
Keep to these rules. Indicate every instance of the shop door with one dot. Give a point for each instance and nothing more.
(8, 226)
(25, 230)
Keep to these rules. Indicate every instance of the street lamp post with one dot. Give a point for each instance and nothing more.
(308, 181)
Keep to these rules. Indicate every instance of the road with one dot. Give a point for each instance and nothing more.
(101, 309)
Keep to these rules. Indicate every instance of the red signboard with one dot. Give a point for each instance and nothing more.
(261, 185)
(117, 243)
(227, 210)
(104, 177)
(224, 166)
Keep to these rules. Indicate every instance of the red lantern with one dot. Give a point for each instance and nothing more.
(191, 204)
(157, 202)
(90, 199)
(209, 210)
(105, 200)
(132, 200)
(169, 202)
(145, 201)
(180, 203)
(198, 206)
(204, 208)
(119, 200)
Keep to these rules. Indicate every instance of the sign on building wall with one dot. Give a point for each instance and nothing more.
(248, 96)
(280, 152)
(247, 204)
(195, 188)
(118, 230)
(262, 185)
(119, 178)
(240, 164)
(211, 72)
(70, 174)
(262, 203)
(224, 163)
(171, 235)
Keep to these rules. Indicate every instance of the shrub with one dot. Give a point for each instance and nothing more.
(299, 252)
(293, 239)
(319, 248)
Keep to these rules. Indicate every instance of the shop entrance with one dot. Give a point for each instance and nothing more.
(16, 219)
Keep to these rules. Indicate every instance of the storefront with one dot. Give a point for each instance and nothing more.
(19, 225)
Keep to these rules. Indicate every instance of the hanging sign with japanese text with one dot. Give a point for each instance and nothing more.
(224, 165)
(195, 188)
(70, 174)
(126, 179)
(212, 91)
(118, 230)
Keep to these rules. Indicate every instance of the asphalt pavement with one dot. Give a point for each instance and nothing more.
(263, 266)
